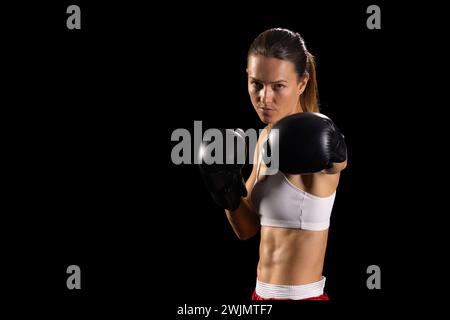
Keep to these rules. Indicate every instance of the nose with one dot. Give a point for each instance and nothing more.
(266, 95)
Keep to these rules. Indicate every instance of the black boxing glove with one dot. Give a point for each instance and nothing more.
(223, 178)
(307, 142)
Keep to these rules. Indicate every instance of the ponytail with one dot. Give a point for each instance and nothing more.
(309, 98)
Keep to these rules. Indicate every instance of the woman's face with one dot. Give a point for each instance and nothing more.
(274, 88)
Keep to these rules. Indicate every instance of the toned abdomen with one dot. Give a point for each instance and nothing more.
(291, 256)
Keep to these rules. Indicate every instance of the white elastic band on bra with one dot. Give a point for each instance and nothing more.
(296, 292)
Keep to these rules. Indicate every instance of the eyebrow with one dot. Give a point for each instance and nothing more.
(278, 81)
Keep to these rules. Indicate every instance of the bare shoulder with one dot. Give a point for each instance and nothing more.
(325, 184)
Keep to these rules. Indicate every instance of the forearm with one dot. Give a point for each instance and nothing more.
(244, 220)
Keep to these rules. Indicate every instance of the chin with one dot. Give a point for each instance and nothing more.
(268, 120)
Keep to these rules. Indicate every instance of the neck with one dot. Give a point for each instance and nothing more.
(299, 107)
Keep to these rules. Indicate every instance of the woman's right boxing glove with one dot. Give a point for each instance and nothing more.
(224, 179)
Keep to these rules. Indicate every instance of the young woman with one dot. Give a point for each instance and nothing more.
(291, 208)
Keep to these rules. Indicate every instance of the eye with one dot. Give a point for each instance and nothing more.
(278, 86)
(256, 85)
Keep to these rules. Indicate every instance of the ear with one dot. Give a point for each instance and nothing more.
(302, 83)
(246, 70)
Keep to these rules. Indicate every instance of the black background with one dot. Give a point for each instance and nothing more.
(92, 113)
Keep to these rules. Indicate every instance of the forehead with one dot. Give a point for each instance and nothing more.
(270, 69)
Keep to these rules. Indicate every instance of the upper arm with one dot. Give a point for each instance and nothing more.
(251, 181)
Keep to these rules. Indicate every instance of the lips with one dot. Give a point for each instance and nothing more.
(265, 109)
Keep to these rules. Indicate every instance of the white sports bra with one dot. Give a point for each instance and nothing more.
(281, 204)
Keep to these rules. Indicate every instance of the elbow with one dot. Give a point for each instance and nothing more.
(246, 235)
(342, 165)
(243, 237)
(336, 168)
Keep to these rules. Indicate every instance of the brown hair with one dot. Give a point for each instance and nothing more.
(288, 45)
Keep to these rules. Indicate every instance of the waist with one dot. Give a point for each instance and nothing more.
(295, 292)
(291, 256)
